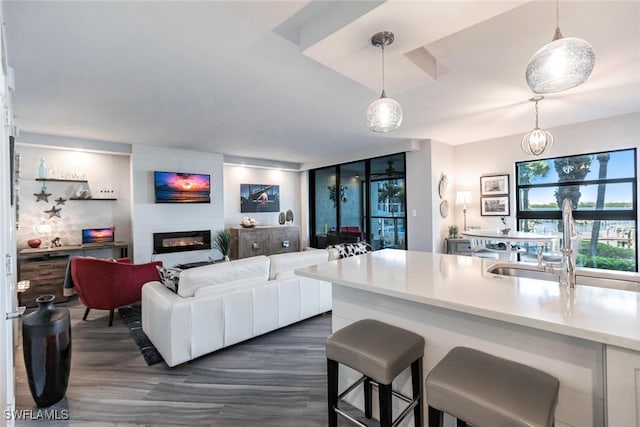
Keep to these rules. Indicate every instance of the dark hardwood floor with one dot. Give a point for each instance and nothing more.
(278, 379)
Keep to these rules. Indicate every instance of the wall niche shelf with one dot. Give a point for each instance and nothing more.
(60, 180)
(90, 199)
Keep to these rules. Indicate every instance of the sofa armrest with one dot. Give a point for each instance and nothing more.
(166, 320)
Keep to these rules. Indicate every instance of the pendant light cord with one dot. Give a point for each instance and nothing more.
(383, 68)
(558, 34)
(536, 114)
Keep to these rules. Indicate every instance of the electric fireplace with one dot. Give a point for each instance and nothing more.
(181, 241)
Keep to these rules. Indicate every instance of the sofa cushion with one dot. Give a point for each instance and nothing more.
(170, 277)
(281, 263)
(226, 288)
(221, 273)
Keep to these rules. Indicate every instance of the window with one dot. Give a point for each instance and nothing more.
(602, 188)
(358, 201)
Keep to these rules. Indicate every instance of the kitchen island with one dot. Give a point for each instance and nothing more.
(588, 337)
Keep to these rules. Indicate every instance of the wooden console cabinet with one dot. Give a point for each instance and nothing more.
(264, 240)
(46, 276)
(46, 268)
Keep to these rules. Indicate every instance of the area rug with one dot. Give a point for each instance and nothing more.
(131, 315)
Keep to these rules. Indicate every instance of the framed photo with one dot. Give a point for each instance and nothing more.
(259, 198)
(494, 206)
(494, 185)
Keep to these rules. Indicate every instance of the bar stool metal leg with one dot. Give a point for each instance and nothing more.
(418, 391)
(435, 417)
(367, 397)
(384, 397)
(332, 391)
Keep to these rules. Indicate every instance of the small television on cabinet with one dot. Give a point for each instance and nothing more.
(95, 236)
(180, 187)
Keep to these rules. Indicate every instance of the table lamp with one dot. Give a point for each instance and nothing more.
(463, 198)
(45, 230)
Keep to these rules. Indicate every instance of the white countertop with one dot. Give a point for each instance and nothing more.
(461, 283)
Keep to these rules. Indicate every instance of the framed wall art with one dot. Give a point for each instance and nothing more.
(494, 206)
(259, 198)
(494, 185)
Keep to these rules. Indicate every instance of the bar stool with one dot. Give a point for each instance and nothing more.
(484, 390)
(380, 352)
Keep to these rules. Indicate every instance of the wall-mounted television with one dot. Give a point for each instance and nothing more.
(180, 187)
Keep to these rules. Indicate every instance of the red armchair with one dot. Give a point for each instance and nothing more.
(106, 285)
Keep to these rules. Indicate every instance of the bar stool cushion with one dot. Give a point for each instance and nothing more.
(376, 349)
(485, 390)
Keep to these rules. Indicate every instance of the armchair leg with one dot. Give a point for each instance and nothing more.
(111, 317)
(86, 313)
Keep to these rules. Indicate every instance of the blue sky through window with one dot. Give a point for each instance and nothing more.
(621, 165)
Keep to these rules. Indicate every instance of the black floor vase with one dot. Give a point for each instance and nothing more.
(46, 341)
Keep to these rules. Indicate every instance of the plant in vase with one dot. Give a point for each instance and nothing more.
(453, 231)
(506, 228)
(222, 242)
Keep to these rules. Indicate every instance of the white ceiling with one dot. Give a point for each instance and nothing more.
(291, 81)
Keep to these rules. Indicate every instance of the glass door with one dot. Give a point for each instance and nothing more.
(387, 201)
(352, 204)
(326, 199)
(359, 201)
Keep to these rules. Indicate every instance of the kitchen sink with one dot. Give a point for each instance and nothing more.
(584, 276)
(519, 271)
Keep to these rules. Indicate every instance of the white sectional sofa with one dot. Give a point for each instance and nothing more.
(222, 304)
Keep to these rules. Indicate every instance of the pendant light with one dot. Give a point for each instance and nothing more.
(384, 114)
(561, 64)
(538, 140)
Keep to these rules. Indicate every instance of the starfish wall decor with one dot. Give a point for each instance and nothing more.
(42, 195)
(60, 201)
(53, 212)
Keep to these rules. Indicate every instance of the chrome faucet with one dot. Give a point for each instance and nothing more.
(568, 235)
(566, 268)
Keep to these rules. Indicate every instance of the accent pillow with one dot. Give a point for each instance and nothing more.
(170, 277)
(346, 250)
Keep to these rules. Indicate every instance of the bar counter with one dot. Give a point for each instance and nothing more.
(588, 337)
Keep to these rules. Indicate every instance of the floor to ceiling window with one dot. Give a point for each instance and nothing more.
(359, 201)
(387, 206)
(602, 188)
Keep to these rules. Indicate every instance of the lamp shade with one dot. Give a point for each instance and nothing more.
(559, 65)
(43, 228)
(463, 198)
(384, 114)
(537, 141)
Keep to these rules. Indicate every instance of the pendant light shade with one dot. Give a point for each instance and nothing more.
(562, 64)
(384, 114)
(538, 140)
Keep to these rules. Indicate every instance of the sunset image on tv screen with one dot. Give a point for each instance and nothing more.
(175, 187)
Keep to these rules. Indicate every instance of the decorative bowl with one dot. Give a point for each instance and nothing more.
(247, 226)
(34, 243)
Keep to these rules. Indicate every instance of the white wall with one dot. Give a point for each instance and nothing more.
(442, 163)
(290, 194)
(103, 171)
(499, 156)
(149, 217)
(419, 198)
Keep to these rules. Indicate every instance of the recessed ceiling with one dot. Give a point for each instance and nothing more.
(292, 80)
